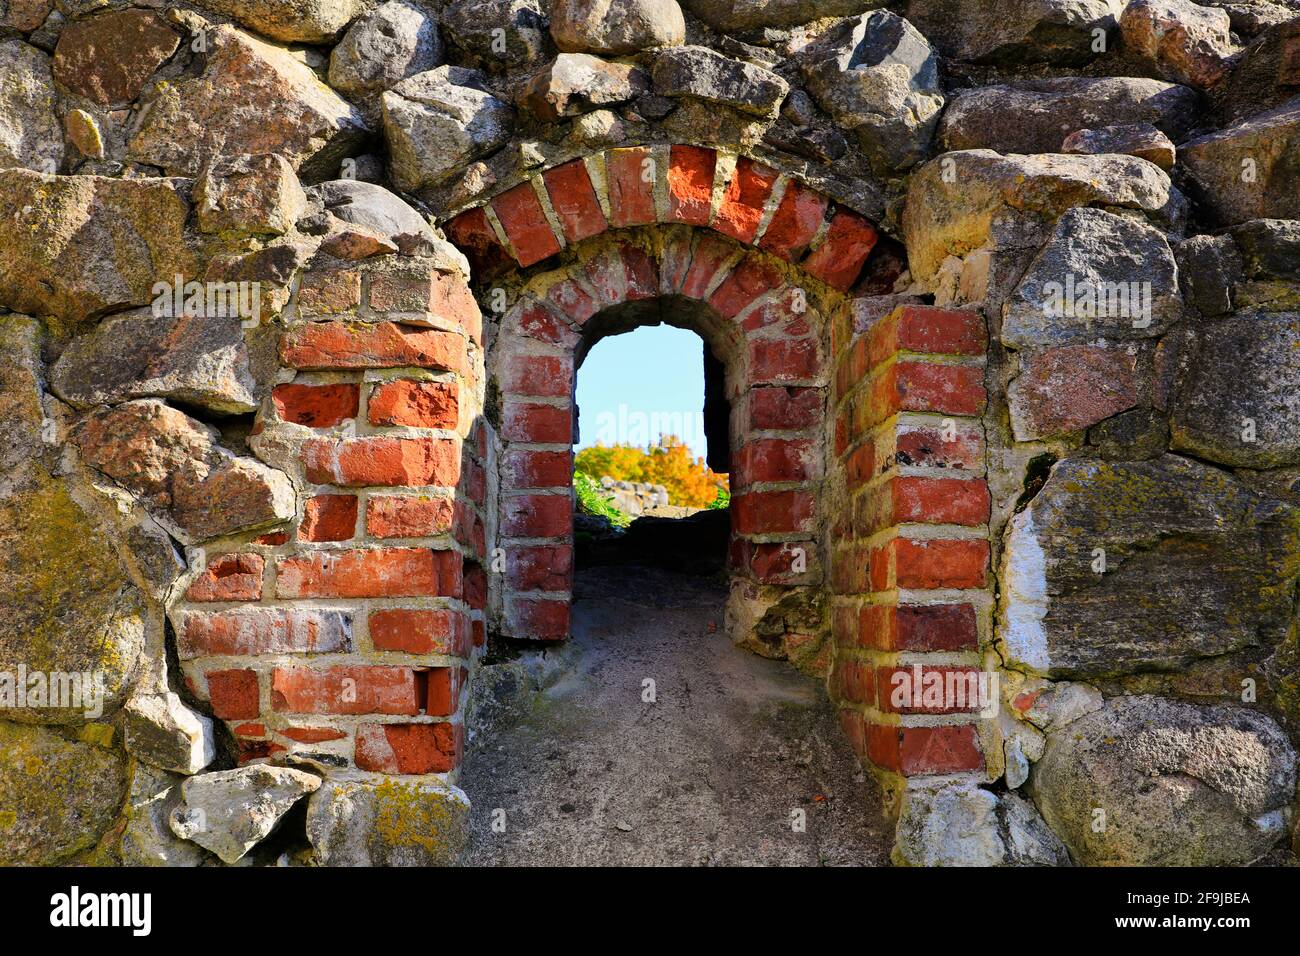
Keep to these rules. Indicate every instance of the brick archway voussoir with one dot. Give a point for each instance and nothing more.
(735, 196)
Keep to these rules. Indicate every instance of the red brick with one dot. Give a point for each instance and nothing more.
(538, 469)
(574, 200)
(782, 360)
(383, 572)
(234, 694)
(709, 259)
(541, 424)
(796, 222)
(540, 568)
(675, 260)
(329, 292)
(474, 483)
(631, 196)
(690, 184)
(859, 466)
(408, 748)
(773, 512)
(443, 296)
(940, 500)
(443, 694)
(927, 331)
(382, 461)
(623, 273)
(473, 235)
(752, 277)
(838, 260)
(330, 345)
(419, 632)
(785, 408)
(251, 730)
(775, 563)
(541, 376)
(476, 589)
(573, 300)
(348, 690)
(921, 387)
(519, 210)
(742, 205)
(854, 681)
(539, 619)
(417, 404)
(788, 308)
(329, 518)
(934, 750)
(422, 289)
(775, 459)
(468, 528)
(929, 564)
(229, 577)
(930, 447)
(907, 689)
(252, 631)
(312, 735)
(250, 750)
(851, 722)
(950, 389)
(533, 320)
(272, 540)
(316, 406)
(919, 627)
(537, 516)
(408, 516)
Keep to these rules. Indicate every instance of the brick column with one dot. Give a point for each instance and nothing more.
(345, 639)
(911, 543)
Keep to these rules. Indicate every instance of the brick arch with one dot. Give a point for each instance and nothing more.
(766, 328)
(734, 195)
(896, 509)
(754, 261)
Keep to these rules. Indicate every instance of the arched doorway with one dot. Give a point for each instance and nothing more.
(768, 335)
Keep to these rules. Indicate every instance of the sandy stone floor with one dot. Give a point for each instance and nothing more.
(711, 773)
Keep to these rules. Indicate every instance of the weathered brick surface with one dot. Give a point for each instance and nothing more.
(377, 572)
(884, 378)
(329, 518)
(341, 345)
(408, 516)
(250, 632)
(574, 200)
(229, 577)
(383, 461)
(743, 203)
(520, 213)
(417, 404)
(690, 184)
(631, 174)
(316, 406)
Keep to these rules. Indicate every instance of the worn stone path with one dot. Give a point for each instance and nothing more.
(709, 774)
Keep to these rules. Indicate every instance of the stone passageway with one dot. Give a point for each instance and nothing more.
(590, 774)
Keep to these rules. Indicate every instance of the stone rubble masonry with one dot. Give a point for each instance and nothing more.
(910, 543)
(346, 640)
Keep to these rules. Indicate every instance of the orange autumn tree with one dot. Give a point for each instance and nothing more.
(689, 481)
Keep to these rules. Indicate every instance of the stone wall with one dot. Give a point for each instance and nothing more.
(291, 300)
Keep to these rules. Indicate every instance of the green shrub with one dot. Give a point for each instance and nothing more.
(595, 500)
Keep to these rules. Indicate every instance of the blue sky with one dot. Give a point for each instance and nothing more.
(633, 386)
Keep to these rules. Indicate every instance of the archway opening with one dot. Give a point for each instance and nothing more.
(652, 447)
